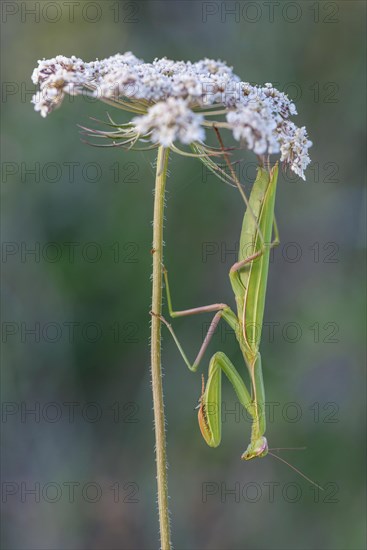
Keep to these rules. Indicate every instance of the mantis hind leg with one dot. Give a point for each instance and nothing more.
(242, 263)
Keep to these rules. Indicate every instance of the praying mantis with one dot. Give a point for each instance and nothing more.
(248, 277)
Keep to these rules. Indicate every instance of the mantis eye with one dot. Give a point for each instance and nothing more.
(258, 448)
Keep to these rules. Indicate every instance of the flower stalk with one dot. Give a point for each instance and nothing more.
(156, 368)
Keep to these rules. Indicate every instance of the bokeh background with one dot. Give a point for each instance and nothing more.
(79, 471)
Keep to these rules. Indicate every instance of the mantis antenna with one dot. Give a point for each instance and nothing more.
(296, 469)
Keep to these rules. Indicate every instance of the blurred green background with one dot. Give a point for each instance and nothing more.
(86, 451)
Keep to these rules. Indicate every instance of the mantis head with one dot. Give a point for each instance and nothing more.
(257, 448)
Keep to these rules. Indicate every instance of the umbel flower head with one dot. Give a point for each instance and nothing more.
(177, 101)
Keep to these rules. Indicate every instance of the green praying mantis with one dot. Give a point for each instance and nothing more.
(248, 278)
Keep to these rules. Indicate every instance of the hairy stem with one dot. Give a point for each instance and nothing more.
(156, 370)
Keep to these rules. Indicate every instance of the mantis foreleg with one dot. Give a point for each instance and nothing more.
(210, 416)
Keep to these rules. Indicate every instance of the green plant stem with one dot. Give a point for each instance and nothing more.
(156, 369)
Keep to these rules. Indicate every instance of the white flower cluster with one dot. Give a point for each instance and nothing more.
(171, 120)
(255, 127)
(56, 77)
(175, 100)
(126, 76)
(294, 145)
